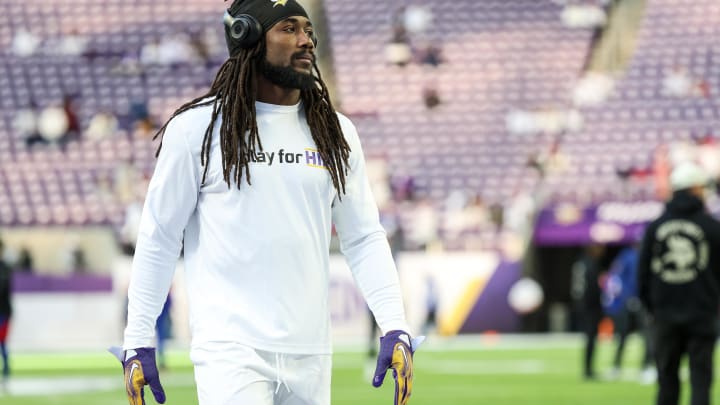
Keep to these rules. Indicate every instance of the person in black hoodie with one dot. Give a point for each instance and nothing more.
(5, 310)
(585, 290)
(678, 281)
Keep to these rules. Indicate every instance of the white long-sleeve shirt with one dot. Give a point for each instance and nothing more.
(256, 258)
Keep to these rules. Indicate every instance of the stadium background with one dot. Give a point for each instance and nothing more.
(502, 137)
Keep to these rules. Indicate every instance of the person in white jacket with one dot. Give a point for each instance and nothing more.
(250, 178)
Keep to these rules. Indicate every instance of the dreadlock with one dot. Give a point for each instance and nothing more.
(232, 96)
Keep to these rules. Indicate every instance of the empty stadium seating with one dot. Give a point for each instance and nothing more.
(627, 128)
(47, 186)
(497, 57)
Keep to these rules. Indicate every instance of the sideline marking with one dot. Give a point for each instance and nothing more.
(38, 386)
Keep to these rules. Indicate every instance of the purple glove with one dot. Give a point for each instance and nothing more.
(140, 370)
(396, 353)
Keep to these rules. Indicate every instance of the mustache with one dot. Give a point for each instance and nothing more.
(300, 54)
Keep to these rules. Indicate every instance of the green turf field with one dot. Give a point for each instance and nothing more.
(526, 371)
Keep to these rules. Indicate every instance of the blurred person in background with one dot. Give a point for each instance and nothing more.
(586, 293)
(5, 310)
(25, 43)
(163, 331)
(423, 233)
(679, 283)
(398, 50)
(431, 305)
(52, 125)
(102, 125)
(25, 260)
(72, 44)
(398, 53)
(127, 180)
(677, 83)
(430, 53)
(250, 178)
(621, 303)
(198, 42)
(431, 96)
(150, 52)
(59, 124)
(79, 264)
(175, 50)
(25, 125)
(139, 118)
(72, 132)
(497, 216)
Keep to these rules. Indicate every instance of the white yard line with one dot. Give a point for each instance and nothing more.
(494, 367)
(31, 386)
(480, 342)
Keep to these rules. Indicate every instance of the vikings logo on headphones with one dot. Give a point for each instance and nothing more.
(279, 2)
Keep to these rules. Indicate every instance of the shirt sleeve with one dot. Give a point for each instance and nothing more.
(364, 243)
(169, 203)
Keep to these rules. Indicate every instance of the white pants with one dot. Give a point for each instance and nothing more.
(234, 374)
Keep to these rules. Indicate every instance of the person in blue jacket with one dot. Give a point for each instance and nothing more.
(621, 303)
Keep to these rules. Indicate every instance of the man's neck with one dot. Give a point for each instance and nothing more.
(270, 93)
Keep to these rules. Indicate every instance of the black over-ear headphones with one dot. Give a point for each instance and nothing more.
(244, 28)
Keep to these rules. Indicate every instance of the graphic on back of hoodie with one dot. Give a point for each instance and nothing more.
(684, 252)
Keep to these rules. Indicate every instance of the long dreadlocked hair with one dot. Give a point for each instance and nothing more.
(232, 96)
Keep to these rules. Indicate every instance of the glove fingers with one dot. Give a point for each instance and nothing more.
(134, 382)
(380, 371)
(403, 389)
(396, 351)
(402, 365)
(157, 390)
(402, 393)
(136, 396)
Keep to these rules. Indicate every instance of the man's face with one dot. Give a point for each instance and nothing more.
(290, 54)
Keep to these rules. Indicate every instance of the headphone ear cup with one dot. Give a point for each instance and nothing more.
(243, 29)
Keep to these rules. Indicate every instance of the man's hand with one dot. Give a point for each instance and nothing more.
(396, 353)
(140, 370)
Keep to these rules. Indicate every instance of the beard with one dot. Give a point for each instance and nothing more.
(287, 76)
